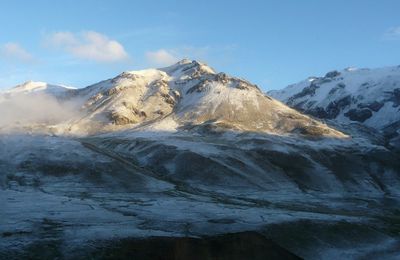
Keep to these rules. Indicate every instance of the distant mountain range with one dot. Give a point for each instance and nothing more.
(367, 96)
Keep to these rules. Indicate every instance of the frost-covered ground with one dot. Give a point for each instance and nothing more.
(60, 195)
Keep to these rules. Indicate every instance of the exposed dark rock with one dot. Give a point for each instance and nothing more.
(394, 97)
(192, 65)
(394, 143)
(124, 75)
(310, 104)
(168, 99)
(114, 91)
(221, 77)
(195, 70)
(307, 91)
(392, 134)
(242, 86)
(374, 106)
(359, 115)
(222, 221)
(200, 87)
(337, 88)
(323, 80)
(299, 106)
(176, 94)
(318, 112)
(392, 129)
(332, 74)
(143, 114)
(334, 108)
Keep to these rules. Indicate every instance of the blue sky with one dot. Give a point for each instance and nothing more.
(270, 43)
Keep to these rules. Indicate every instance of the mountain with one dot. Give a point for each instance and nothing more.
(35, 105)
(38, 88)
(186, 151)
(190, 93)
(187, 94)
(367, 96)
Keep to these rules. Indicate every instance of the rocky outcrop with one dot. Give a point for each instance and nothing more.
(359, 115)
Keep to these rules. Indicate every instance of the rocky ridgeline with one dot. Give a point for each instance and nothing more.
(367, 96)
(186, 93)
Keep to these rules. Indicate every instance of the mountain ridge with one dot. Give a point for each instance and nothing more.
(369, 97)
(190, 93)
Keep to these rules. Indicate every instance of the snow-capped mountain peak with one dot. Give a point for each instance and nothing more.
(38, 86)
(187, 68)
(367, 96)
(188, 94)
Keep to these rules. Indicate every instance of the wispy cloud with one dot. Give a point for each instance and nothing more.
(15, 52)
(88, 45)
(164, 57)
(392, 33)
(161, 57)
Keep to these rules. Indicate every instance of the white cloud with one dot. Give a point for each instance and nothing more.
(88, 45)
(165, 57)
(161, 57)
(15, 52)
(62, 39)
(392, 33)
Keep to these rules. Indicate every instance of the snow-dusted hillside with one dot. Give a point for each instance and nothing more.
(72, 195)
(32, 87)
(367, 96)
(186, 151)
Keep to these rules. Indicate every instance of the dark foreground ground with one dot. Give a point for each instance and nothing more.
(113, 198)
(244, 245)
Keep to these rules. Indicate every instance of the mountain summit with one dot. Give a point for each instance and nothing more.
(192, 93)
(185, 95)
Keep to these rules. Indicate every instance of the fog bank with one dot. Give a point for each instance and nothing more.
(23, 110)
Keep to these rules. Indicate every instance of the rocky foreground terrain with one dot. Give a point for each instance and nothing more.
(184, 155)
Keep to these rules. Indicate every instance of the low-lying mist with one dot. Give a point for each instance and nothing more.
(31, 109)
